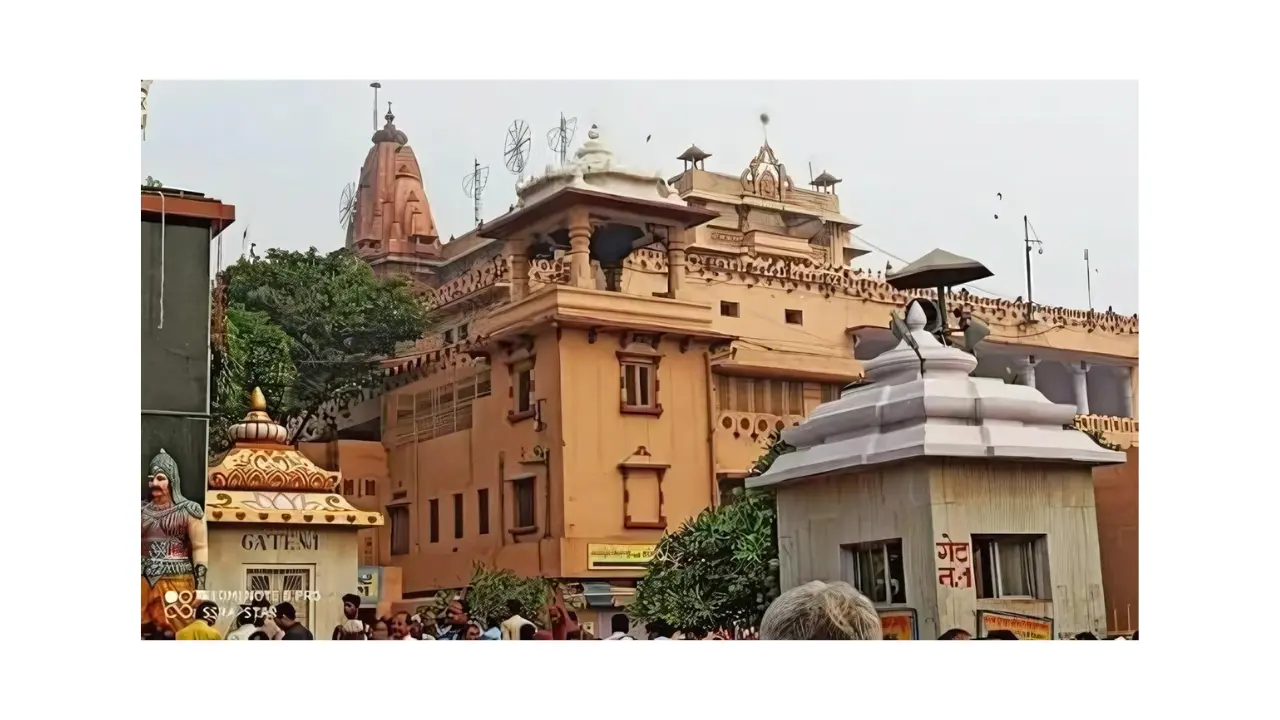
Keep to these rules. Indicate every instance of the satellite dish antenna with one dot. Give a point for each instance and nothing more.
(473, 185)
(559, 137)
(347, 207)
(515, 153)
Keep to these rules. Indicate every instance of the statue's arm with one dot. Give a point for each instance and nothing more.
(199, 549)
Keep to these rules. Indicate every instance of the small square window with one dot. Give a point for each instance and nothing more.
(524, 390)
(448, 335)
(728, 309)
(639, 386)
(398, 515)
(1011, 566)
(876, 570)
(795, 317)
(463, 331)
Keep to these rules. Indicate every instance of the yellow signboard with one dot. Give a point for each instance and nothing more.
(613, 557)
(1026, 627)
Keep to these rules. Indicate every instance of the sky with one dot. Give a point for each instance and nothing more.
(924, 164)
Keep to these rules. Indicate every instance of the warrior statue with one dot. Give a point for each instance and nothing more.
(175, 551)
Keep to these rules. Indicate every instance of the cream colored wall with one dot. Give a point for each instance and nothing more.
(817, 517)
(464, 462)
(334, 563)
(598, 437)
(978, 497)
(918, 502)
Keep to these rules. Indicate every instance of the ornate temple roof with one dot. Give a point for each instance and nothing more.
(594, 168)
(826, 179)
(389, 132)
(262, 479)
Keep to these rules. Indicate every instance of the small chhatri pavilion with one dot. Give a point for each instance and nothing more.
(279, 526)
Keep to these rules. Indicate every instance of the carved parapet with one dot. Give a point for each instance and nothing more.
(1120, 431)
(549, 272)
(789, 273)
(404, 370)
(755, 425)
(646, 260)
(486, 273)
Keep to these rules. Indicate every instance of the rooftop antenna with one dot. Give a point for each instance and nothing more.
(376, 87)
(764, 126)
(559, 137)
(347, 207)
(473, 185)
(515, 152)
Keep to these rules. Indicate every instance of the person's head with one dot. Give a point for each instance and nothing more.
(381, 630)
(955, 634)
(513, 607)
(473, 632)
(261, 608)
(259, 635)
(400, 625)
(821, 611)
(1086, 635)
(457, 613)
(527, 631)
(208, 612)
(161, 477)
(245, 616)
(286, 615)
(1001, 635)
(660, 629)
(620, 623)
(350, 606)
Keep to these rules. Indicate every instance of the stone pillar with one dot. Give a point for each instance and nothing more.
(1080, 379)
(579, 255)
(676, 251)
(1126, 387)
(517, 253)
(1026, 369)
(1133, 374)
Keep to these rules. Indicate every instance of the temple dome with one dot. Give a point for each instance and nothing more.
(389, 132)
(594, 167)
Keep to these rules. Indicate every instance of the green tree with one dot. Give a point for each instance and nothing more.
(491, 590)
(339, 321)
(720, 569)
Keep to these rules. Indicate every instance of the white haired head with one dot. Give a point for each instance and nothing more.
(821, 611)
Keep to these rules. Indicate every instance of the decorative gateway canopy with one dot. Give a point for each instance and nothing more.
(262, 479)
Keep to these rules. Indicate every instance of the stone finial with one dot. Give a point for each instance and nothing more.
(593, 133)
(916, 319)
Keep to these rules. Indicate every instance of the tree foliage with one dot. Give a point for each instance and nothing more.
(491, 590)
(720, 570)
(339, 321)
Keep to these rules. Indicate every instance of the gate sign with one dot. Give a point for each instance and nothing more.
(369, 585)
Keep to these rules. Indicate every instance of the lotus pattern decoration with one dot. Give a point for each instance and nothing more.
(281, 501)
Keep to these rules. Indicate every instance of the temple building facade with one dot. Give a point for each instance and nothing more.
(610, 356)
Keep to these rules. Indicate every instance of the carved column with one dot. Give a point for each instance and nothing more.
(1026, 369)
(1080, 379)
(676, 251)
(1126, 388)
(1133, 375)
(579, 255)
(517, 252)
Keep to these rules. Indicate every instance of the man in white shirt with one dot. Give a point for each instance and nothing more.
(620, 624)
(511, 626)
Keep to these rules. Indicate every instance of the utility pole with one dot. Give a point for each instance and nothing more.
(1088, 277)
(376, 86)
(1026, 239)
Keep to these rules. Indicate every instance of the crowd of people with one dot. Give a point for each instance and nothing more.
(815, 611)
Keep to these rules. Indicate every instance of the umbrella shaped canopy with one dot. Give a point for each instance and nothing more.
(938, 269)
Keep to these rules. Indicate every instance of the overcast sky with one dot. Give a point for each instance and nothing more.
(922, 162)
